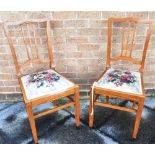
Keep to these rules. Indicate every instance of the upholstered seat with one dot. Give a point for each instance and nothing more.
(121, 80)
(44, 83)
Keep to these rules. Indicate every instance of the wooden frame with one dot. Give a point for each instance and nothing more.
(29, 104)
(138, 100)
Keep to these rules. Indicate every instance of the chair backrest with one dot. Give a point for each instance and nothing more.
(30, 43)
(128, 35)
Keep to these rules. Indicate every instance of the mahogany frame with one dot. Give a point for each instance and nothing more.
(29, 104)
(138, 100)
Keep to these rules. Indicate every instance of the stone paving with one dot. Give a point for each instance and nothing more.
(110, 126)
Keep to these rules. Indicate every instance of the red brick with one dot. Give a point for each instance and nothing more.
(77, 69)
(7, 89)
(88, 31)
(97, 23)
(77, 40)
(89, 14)
(88, 54)
(2, 97)
(11, 83)
(75, 23)
(56, 24)
(107, 14)
(37, 15)
(139, 15)
(85, 47)
(64, 15)
(5, 76)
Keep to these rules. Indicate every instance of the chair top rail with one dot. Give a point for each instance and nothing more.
(27, 22)
(130, 19)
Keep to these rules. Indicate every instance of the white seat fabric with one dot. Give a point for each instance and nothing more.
(44, 83)
(121, 80)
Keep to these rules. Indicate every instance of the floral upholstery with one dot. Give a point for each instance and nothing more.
(121, 80)
(44, 83)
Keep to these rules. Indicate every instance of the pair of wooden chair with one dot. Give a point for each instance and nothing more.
(47, 85)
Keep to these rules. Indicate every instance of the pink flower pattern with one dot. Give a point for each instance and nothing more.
(119, 77)
(43, 78)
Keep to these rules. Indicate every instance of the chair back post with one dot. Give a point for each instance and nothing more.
(109, 42)
(11, 48)
(149, 31)
(49, 44)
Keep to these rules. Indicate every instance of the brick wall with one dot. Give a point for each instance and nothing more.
(79, 44)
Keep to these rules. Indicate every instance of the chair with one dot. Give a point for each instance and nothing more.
(115, 81)
(29, 42)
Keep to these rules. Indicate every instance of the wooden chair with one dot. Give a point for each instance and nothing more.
(120, 83)
(30, 43)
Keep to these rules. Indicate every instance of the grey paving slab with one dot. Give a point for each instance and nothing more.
(120, 127)
(150, 102)
(15, 128)
(5, 105)
(101, 114)
(66, 133)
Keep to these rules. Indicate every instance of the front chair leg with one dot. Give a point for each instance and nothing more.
(32, 123)
(138, 118)
(77, 107)
(91, 109)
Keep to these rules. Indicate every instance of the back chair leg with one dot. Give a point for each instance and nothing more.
(133, 105)
(138, 118)
(107, 99)
(91, 109)
(96, 97)
(55, 103)
(32, 123)
(77, 107)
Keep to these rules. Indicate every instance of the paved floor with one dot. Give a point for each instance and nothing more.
(111, 126)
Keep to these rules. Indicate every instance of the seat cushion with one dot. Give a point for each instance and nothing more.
(121, 80)
(44, 83)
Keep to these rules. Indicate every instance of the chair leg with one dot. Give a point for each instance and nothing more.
(55, 103)
(96, 97)
(138, 118)
(32, 123)
(107, 99)
(133, 105)
(91, 109)
(77, 107)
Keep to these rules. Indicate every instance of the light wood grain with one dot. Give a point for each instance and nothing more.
(134, 98)
(29, 104)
